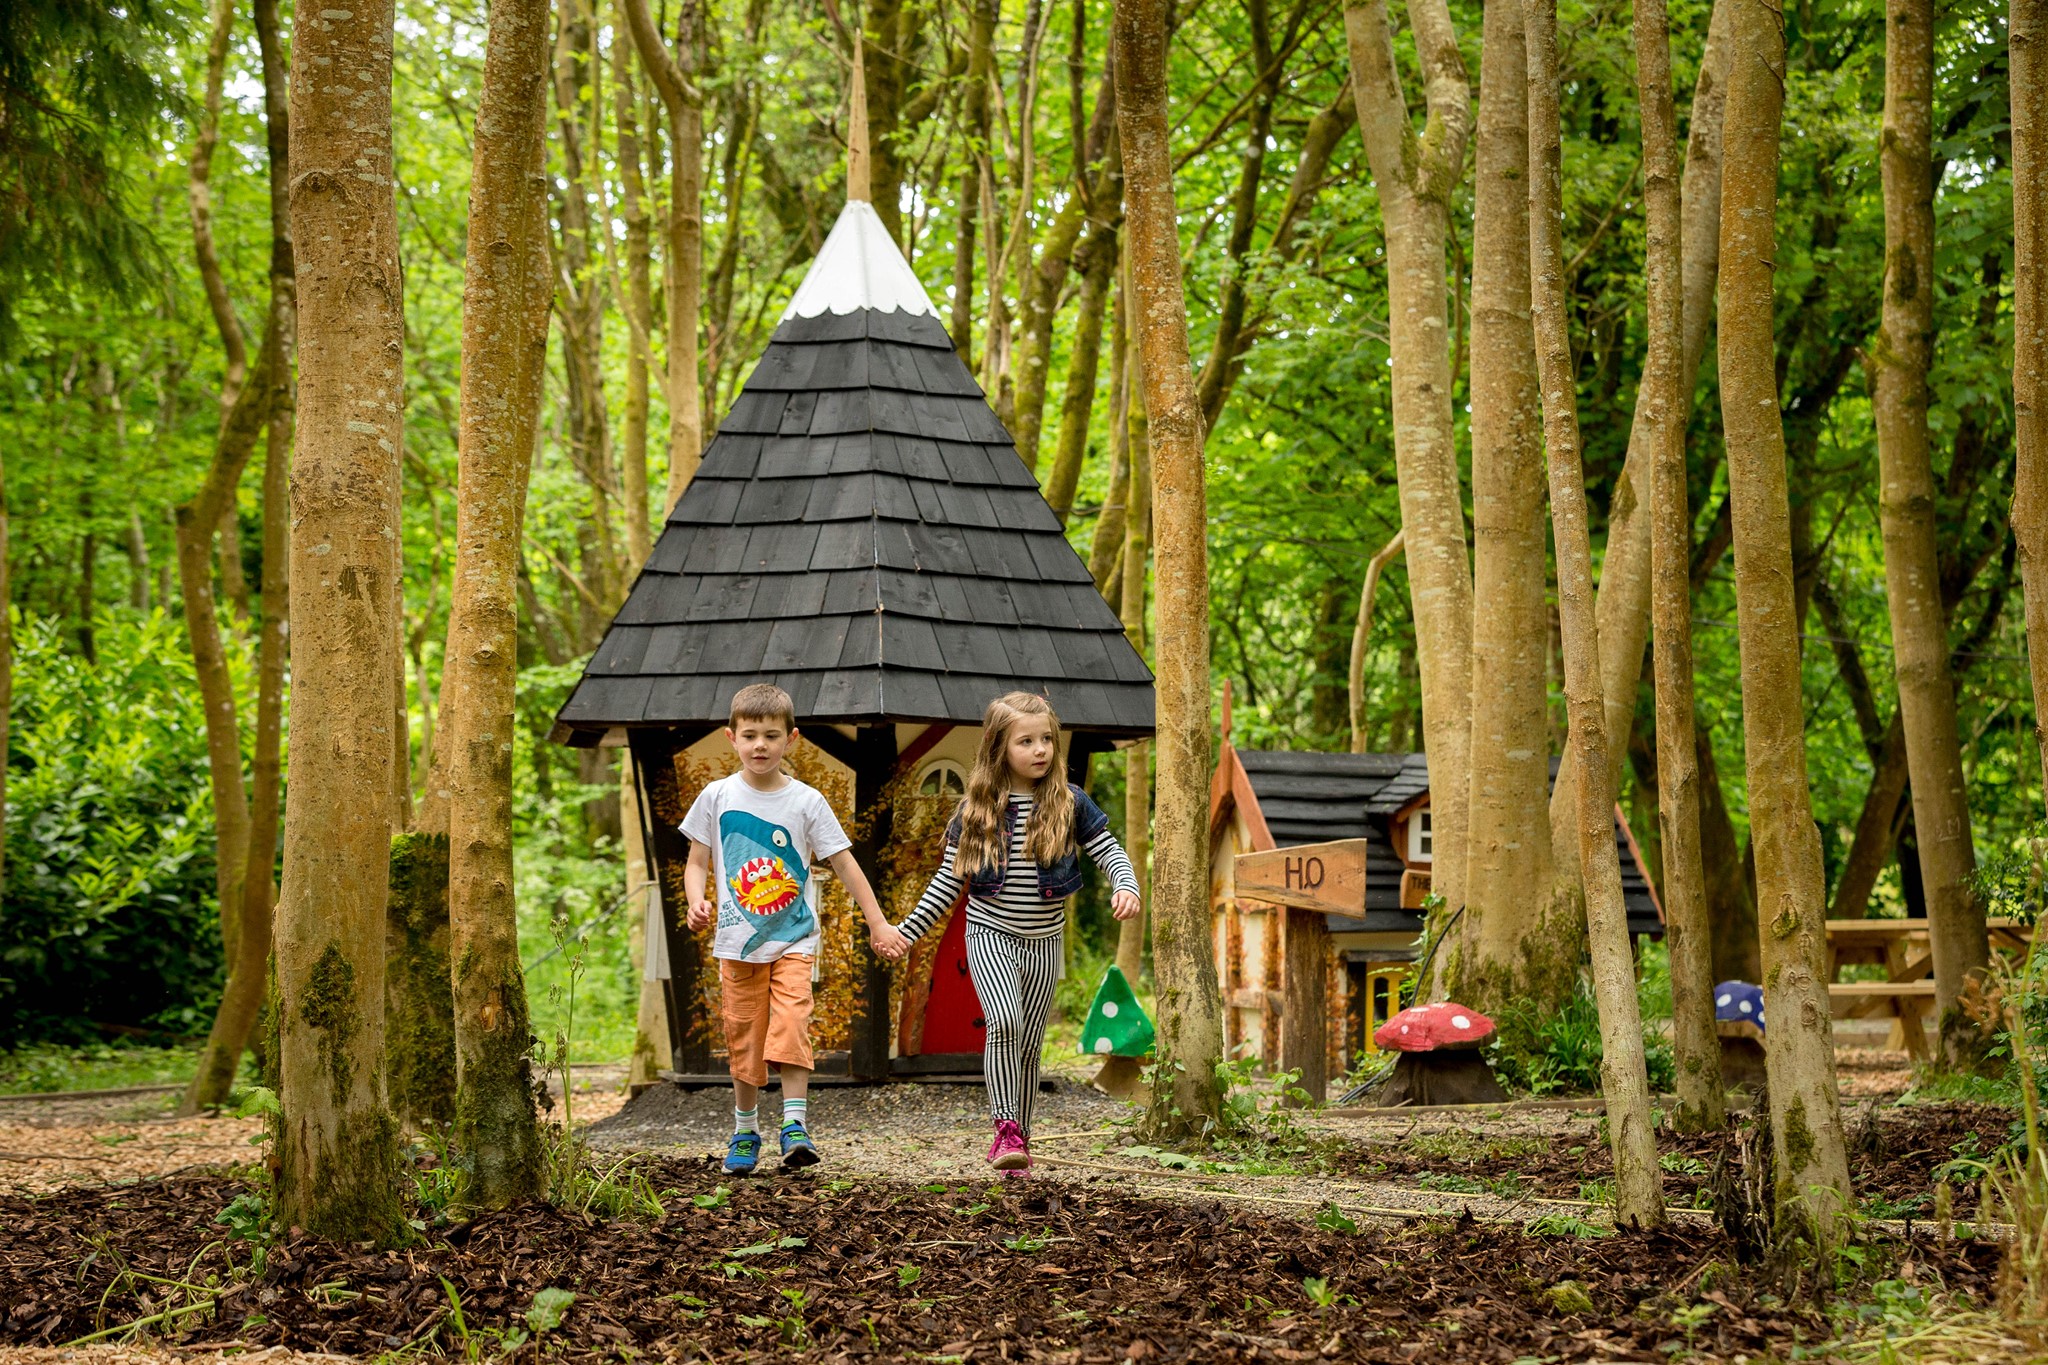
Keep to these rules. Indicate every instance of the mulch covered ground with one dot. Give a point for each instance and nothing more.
(858, 1270)
(1897, 1155)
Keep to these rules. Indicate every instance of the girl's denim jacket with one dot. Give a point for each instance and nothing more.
(1057, 880)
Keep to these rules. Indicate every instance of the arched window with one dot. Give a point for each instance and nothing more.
(942, 777)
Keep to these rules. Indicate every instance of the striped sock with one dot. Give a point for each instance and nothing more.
(796, 1111)
(746, 1120)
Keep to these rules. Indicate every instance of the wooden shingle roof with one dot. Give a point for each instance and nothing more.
(862, 533)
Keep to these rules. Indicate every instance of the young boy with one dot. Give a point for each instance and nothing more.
(763, 831)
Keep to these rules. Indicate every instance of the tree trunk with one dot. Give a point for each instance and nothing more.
(1506, 947)
(1638, 1187)
(419, 1022)
(6, 679)
(1106, 548)
(336, 1152)
(2028, 37)
(1731, 899)
(1662, 408)
(1189, 1101)
(639, 309)
(1212, 382)
(248, 979)
(504, 351)
(1077, 407)
(1904, 349)
(1877, 827)
(138, 563)
(199, 195)
(1812, 1175)
(974, 119)
(243, 408)
(1416, 178)
(650, 1029)
(1625, 570)
(1361, 640)
(674, 79)
(1130, 941)
(1040, 284)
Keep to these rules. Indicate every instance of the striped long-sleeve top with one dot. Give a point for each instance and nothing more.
(1016, 908)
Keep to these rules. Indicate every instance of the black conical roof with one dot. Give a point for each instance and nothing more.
(862, 533)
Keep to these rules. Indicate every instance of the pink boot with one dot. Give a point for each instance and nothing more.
(1009, 1152)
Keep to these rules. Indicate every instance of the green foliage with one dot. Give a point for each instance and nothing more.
(111, 909)
(51, 1066)
(1559, 1052)
(79, 83)
(1564, 1225)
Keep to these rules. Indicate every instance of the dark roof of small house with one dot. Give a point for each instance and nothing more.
(862, 533)
(1308, 797)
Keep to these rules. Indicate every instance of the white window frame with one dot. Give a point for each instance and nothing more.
(1420, 837)
(941, 768)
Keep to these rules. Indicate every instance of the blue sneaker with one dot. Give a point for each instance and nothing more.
(797, 1147)
(743, 1153)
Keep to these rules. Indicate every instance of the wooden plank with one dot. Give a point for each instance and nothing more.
(1877, 990)
(874, 822)
(1304, 1013)
(689, 1030)
(1327, 877)
(1875, 928)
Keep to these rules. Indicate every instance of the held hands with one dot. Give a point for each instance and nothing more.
(700, 915)
(1125, 905)
(887, 941)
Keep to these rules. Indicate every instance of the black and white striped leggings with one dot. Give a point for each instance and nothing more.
(1014, 979)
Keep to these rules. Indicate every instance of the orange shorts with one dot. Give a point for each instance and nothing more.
(767, 1008)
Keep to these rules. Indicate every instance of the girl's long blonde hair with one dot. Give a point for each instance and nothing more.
(1050, 834)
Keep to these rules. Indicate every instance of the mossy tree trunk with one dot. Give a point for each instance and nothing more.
(1189, 1101)
(1906, 512)
(2028, 35)
(1130, 939)
(504, 349)
(419, 1010)
(1625, 561)
(1662, 407)
(336, 1149)
(1638, 1188)
(1812, 1173)
(1504, 950)
(1416, 177)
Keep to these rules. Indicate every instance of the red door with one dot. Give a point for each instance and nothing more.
(952, 1013)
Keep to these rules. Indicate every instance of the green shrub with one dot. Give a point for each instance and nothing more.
(1562, 1051)
(111, 910)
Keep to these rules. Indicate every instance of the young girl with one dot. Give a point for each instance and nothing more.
(1015, 846)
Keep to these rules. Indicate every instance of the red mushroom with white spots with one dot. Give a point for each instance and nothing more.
(1440, 1061)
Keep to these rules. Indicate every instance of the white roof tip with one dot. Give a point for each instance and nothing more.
(859, 267)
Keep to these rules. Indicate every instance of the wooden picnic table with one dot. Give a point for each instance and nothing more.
(1901, 947)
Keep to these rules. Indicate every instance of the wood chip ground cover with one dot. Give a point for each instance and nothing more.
(1898, 1154)
(856, 1270)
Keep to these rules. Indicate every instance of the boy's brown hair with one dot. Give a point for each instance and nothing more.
(762, 701)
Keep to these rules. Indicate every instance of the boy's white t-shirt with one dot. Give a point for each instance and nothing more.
(763, 845)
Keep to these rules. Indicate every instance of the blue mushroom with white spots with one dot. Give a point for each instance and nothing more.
(1740, 1002)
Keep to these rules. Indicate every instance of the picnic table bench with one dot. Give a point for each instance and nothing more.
(1906, 994)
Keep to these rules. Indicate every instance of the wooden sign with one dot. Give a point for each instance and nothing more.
(1327, 877)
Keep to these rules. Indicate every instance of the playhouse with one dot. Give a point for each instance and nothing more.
(1339, 967)
(863, 534)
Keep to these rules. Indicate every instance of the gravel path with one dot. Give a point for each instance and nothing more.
(939, 1132)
